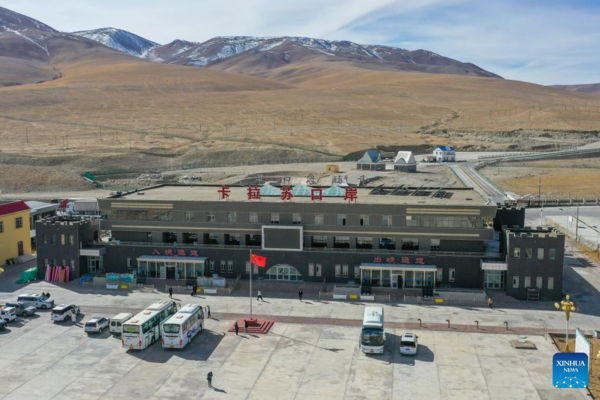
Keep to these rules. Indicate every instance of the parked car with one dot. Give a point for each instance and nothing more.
(2, 324)
(116, 322)
(409, 344)
(22, 309)
(36, 300)
(96, 325)
(63, 312)
(8, 314)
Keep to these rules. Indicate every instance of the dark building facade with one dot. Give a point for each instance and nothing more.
(68, 241)
(509, 216)
(420, 237)
(397, 238)
(534, 261)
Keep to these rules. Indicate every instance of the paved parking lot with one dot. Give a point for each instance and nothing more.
(42, 360)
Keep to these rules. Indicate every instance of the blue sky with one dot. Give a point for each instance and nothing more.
(540, 41)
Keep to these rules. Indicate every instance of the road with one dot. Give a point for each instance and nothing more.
(589, 220)
(473, 179)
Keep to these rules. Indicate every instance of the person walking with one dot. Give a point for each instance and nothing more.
(259, 297)
(208, 311)
(491, 302)
(209, 377)
(74, 315)
(194, 289)
(246, 326)
(300, 295)
(170, 292)
(236, 327)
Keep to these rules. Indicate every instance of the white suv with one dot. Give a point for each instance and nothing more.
(96, 325)
(64, 312)
(409, 344)
(36, 300)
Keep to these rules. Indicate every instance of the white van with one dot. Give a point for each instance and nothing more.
(116, 323)
(8, 314)
(37, 301)
(372, 335)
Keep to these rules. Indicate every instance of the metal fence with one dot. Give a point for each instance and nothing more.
(377, 298)
(466, 301)
(212, 164)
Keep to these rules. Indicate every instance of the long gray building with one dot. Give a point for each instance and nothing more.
(383, 237)
(387, 237)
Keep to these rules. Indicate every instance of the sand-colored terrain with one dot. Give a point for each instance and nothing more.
(560, 178)
(112, 112)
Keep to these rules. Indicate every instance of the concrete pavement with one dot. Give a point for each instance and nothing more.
(44, 360)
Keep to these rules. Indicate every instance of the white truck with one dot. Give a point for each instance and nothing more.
(372, 335)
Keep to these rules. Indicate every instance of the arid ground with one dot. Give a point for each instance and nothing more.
(117, 113)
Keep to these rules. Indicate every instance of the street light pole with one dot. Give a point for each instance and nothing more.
(568, 307)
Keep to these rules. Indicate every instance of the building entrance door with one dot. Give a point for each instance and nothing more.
(397, 281)
(20, 248)
(170, 272)
(283, 274)
(163, 271)
(494, 279)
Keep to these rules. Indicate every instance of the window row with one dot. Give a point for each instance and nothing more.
(18, 224)
(443, 222)
(529, 251)
(296, 218)
(339, 242)
(135, 215)
(63, 239)
(538, 282)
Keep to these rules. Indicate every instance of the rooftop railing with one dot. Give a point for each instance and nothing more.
(311, 249)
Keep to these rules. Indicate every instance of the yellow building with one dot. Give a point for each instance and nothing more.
(15, 235)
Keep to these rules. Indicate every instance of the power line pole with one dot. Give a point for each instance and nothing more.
(540, 202)
(577, 225)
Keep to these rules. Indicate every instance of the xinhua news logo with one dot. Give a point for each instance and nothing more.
(570, 370)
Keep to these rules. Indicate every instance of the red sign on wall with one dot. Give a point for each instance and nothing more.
(180, 253)
(403, 260)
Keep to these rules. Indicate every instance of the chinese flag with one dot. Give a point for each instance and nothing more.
(258, 260)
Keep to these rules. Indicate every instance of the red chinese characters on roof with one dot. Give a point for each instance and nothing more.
(316, 194)
(224, 192)
(351, 194)
(253, 193)
(286, 193)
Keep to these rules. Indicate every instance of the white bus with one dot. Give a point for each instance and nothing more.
(144, 329)
(372, 335)
(181, 328)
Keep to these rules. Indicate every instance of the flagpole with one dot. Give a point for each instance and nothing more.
(251, 268)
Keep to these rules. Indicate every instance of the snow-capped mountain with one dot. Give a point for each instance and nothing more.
(119, 39)
(33, 52)
(273, 52)
(25, 38)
